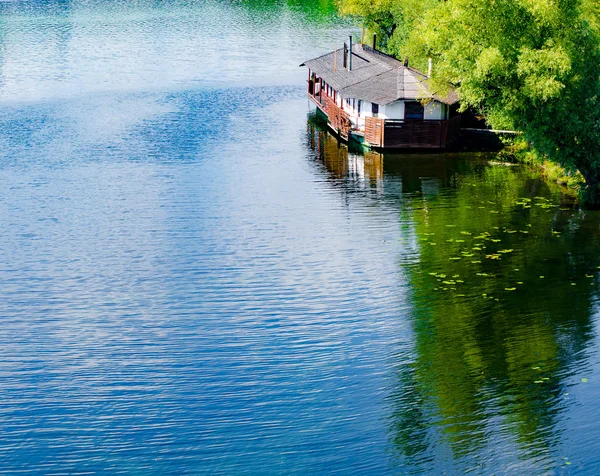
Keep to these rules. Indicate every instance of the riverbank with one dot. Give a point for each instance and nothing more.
(518, 150)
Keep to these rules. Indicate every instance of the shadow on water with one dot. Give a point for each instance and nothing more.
(503, 279)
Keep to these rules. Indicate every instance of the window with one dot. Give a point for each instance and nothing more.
(413, 110)
(359, 101)
(354, 104)
(375, 109)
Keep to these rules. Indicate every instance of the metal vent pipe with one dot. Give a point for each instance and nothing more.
(350, 55)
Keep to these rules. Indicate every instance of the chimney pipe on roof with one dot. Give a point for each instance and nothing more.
(430, 68)
(374, 41)
(350, 54)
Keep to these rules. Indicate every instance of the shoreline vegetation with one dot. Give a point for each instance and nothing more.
(524, 65)
(519, 151)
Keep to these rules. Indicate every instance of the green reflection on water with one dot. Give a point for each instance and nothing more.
(501, 292)
(312, 9)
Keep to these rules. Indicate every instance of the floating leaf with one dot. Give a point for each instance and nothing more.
(432, 243)
(505, 251)
(476, 261)
(589, 275)
(584, 380)
(519, 282)
(455, 258)
(510, 289)
(465, 233)
(495, 240)
(541, 277)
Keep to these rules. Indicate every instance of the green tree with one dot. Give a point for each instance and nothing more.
(529, 65)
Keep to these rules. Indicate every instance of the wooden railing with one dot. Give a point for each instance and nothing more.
(338, 118)
(415, 134)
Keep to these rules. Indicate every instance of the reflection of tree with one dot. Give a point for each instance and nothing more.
(494, 338)
(317, 11)
(501, 307)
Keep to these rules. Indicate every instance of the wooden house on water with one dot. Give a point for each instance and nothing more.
(376, 99)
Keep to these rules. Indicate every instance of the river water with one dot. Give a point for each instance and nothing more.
(195, 278)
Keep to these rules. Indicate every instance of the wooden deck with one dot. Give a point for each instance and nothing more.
(390, 133)
(339, 120)
(410, 134)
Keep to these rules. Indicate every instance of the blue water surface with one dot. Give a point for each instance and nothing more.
(195, 278)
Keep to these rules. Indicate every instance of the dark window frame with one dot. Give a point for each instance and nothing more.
(414, 110)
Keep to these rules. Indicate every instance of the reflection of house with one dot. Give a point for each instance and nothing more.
(366, 93)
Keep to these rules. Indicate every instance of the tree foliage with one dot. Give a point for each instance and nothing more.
(528, 65)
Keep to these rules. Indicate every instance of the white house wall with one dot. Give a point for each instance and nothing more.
(433, 111)
(365, 111)
(394, 110)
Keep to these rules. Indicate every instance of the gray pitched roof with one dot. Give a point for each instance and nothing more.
(375, 77)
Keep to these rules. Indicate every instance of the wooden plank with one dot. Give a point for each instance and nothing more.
(374, 131)
(415, 134)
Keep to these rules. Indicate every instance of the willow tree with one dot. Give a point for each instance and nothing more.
(528, 65)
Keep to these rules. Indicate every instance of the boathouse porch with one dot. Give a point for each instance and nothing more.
(381, 132)
(380, 100)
